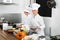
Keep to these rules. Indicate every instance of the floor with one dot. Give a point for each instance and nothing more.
(6, 36)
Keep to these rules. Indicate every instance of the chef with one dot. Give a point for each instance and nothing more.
(24, 25)
(25, 16)
(39, 22)
(26, 19)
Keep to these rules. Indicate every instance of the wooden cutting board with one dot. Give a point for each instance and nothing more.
(6, 36)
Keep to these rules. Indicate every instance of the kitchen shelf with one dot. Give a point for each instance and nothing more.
(7, 3)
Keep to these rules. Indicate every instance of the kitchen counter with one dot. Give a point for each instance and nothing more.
(6, 36)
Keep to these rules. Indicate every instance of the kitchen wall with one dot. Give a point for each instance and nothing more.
(17, 8)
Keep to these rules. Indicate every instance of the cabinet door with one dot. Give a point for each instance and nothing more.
(44, 10)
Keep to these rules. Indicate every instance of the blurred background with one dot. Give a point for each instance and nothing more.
(51, 20)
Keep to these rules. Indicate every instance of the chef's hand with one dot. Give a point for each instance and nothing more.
(37, 28)
(34, 28)
(20, 26)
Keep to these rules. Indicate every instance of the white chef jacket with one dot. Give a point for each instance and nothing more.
(38, 21)
(26, 20)
(35, 21)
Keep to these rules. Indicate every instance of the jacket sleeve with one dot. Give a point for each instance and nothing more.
(41, 22)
